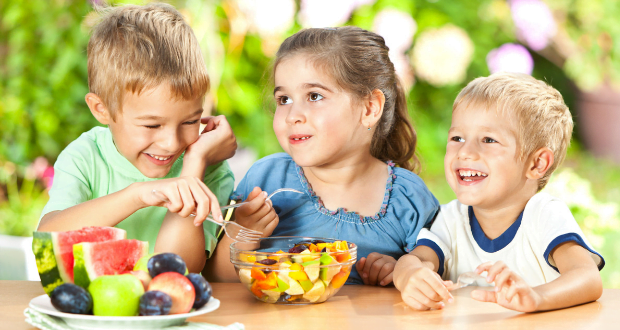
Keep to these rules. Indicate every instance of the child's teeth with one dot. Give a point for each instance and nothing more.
(160, 158)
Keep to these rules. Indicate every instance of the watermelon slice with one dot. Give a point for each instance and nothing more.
(54, 252)
(106, 258)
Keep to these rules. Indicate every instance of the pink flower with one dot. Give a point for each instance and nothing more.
(48, 177)
(534, 22)
(510, 58)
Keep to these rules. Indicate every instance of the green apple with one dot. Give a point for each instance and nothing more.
(245, 276)
(295, 288)
(306, 285)
(116, 295)
(312, 269)
(316, 292)
(141, 263)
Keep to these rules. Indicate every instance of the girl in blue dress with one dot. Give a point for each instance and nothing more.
(341, 116)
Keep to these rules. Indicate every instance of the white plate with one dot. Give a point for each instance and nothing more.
(43, 305)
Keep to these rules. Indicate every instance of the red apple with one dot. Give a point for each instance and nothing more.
(178, 287)
(143, 276)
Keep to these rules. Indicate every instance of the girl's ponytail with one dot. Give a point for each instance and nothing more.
(400, 142)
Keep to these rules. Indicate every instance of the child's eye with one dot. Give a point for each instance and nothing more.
(457, 139)
(152, 126)
(283, 100)
(489, 140)
(315, 97)
(191, 122)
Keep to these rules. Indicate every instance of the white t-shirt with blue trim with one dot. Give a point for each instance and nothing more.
(525, 247)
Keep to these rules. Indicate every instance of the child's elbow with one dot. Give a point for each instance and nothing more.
(596, 286)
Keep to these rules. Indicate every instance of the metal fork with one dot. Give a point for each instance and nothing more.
(235, 231)
(268, 198)
(465, 279)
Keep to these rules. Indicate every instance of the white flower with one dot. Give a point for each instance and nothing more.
(325, 13)
(268, 17)
(441, 56)
(396, 27)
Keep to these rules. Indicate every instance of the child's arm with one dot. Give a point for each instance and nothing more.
(259, 215)
(578, 283)
(376, 269)
(415, 276)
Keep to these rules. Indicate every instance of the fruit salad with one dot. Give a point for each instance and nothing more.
(310, 271)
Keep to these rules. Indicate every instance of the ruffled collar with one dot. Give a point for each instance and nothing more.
(342, 212)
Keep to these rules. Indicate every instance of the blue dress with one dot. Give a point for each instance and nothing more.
(408, 206)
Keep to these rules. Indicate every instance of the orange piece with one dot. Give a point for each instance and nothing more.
(344, 246)
(257, 274)
(256, 290)
(343, 256)
(269, 283)
(339, 279)
(313, 248)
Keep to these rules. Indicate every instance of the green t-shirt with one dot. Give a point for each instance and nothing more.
(91, 167)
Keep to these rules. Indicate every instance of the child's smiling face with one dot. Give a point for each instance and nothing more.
(153, 130)
(316, 122)
(481, 162)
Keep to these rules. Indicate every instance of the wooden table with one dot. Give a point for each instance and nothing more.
(357, 307)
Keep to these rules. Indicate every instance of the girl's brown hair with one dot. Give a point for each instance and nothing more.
(358, 60)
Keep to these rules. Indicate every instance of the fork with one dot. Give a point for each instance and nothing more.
(465, 279)
(232, 206)
(235, 231)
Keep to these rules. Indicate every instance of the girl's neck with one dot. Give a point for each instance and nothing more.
(356, 184)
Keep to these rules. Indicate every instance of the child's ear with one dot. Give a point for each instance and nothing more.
(539, 163)
(98, 109)
(373, 108)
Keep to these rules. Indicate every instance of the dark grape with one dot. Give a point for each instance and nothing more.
(267, 261)
(317, 241)
(324, 249)
(155, 303)
(166, 262)
(202, 288)
(297, 249)
(70, 298)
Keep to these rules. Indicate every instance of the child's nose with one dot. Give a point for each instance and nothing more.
(295, 115)
(170, 142)
(468, 150)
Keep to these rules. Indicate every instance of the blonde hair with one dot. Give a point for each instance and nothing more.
(136, 48)
(543, 120)
(359, 62)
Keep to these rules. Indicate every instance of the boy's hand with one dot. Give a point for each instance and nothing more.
(184, 195)
(424, 289)
(511, 291)
(376, 269)
(215, 143)
(258, 214)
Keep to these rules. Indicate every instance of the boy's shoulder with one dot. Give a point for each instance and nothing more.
(454, 211)
(88, 144)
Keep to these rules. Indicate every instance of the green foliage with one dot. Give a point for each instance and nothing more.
(42, 77)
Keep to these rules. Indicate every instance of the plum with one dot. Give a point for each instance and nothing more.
(70, 298)
(202, 288)
(166, 262)
(266, 261)
(155, 303)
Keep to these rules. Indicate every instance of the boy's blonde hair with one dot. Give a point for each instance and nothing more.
(136, 48)
(543, 120)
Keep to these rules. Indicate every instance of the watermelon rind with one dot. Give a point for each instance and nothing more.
(86, 270)
(43, 250)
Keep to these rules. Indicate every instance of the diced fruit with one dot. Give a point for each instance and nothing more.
(315, 292)
(282, 285)
(54, 252)
(306, 285)
(328, 292)
(155, 303)
(296, 272)
(342, 257)
(327, 273)
(70, 298)
(312, 269)
(295, 288)
(166, 262)
(269, 283)
(339, 279)
(178, 287)
(256, 290)
(106, 258)
(116, 295)
(245, 276)
(326, 259)
(271, 296)
(202, 288)
(258, 274)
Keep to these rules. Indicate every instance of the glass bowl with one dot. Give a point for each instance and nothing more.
(294, 269)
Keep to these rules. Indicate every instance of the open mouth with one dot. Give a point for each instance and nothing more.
(471, 175)
(161, 158)
(299, 138)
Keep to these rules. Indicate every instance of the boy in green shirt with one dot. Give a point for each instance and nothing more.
(147, 81)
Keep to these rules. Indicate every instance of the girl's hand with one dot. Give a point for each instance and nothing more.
(376, 269)
(183, 195)
(258, 214)
(511, 291)
(424, 289)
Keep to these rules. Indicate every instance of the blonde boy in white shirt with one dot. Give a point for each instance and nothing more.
(509, 132)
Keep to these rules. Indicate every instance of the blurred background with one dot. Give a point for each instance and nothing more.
(436, 45)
